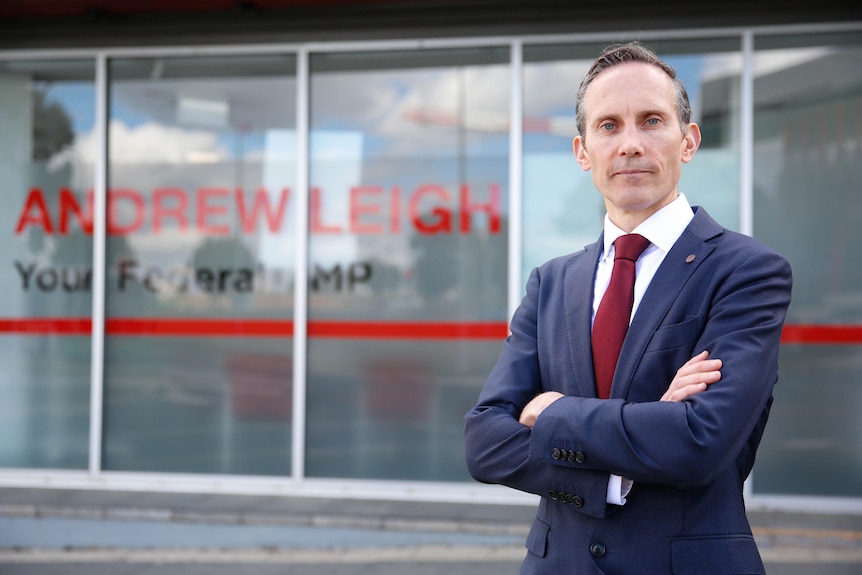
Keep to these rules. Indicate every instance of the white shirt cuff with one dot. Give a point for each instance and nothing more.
(618, 488)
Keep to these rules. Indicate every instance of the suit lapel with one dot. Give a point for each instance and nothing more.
(578, 308)
(686, 255)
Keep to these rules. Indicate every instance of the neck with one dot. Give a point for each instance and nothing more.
(628, 220)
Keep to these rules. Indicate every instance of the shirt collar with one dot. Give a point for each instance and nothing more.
(662, 228)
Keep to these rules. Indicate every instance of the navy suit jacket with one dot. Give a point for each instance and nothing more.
(716, 290)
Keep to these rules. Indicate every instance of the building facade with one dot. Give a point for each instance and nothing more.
(286, 266)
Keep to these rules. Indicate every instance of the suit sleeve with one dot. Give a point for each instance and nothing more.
(498, 448)
(689, 443)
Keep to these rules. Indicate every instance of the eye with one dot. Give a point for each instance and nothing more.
(653, 122)
(607, 126)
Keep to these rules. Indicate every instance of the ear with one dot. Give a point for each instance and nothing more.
(691, 142)
(581, 154)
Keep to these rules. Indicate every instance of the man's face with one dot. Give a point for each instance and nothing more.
(633, 144)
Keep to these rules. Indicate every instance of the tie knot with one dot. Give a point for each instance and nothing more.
(630, 247)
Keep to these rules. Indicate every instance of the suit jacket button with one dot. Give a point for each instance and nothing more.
(553, 494)
(555, 453)
(577, 501)
(597, 550)
(570, 456)
(580, 457)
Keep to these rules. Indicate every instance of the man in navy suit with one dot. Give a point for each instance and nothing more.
(650, 480)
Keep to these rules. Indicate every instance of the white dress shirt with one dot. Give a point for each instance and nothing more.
(662, 229)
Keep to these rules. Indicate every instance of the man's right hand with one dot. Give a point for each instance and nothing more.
(693, 377)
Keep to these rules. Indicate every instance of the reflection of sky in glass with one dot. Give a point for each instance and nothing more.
(78, 100)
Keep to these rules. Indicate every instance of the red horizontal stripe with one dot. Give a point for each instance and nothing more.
(181, 327)
(408, 330)
(171, 327)
(822, 334)
(811, 334)
(46, 326)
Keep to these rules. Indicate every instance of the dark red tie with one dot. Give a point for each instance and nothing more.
(612, 317)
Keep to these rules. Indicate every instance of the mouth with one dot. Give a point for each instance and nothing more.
(631, 172)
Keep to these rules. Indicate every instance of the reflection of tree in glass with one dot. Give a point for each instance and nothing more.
(52, 132)
(436, 259)
(385, 277)
(52, 127)
(76, 248)
(223, 253)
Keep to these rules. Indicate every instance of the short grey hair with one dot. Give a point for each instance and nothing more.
(631, 52)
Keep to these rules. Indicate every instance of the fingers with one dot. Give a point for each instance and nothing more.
(693, 377)
(699, 364)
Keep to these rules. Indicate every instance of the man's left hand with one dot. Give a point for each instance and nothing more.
(537, 405)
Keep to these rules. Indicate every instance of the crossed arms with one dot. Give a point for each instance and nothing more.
(681, 433)
(693, 377)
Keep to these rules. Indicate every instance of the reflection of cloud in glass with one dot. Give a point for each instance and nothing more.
(152, 143)
(148, 143)
(720, 66)
(551, 88)
(204, 112)
(244, 104)
(383, 106)
(162, 144)
(766, 62)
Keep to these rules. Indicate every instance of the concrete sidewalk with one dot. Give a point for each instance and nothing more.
(69, 532)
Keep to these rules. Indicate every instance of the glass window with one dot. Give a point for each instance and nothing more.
(562, 209)
(408, 256)
(47, 112)
(807, 204)
(199, 295)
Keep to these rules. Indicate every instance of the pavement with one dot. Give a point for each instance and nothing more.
(102, 532)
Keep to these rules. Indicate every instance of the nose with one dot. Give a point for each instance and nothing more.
(631, 143)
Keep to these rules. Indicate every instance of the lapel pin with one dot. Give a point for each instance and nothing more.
(690, 258)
